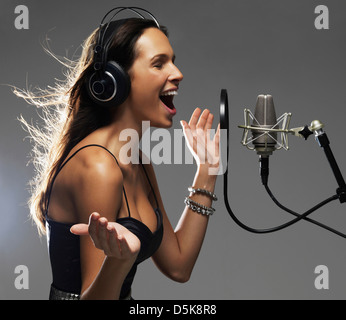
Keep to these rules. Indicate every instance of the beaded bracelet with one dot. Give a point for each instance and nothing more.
(206, 192)
(197, 207)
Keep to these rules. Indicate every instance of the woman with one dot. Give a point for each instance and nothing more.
(82, 188)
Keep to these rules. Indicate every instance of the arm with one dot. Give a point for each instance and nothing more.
(180, 248)
(107, 257)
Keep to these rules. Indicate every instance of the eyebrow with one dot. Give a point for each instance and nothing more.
(164, 56)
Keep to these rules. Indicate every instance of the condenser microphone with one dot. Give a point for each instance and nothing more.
(264, 139)
(264, 128)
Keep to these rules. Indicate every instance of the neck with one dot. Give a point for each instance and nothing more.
(124, 134)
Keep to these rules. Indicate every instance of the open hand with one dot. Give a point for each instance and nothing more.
(111, 237)
(197, 135)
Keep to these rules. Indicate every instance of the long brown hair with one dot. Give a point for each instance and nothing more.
(68, 113)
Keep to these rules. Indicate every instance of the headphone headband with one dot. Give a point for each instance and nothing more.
(133, 9)
(99, 55)
(110, 84)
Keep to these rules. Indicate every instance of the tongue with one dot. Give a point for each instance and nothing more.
(168, 101)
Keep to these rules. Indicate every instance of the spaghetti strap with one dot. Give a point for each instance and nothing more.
(69, 158)
(152, 189)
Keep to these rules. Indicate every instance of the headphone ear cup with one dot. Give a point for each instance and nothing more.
(111, 88)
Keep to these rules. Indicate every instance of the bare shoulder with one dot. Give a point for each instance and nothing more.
(89, 182)
(97, 184)
(97, 164)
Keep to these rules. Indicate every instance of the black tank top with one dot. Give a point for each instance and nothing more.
(63, 246)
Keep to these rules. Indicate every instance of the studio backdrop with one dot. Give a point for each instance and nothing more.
(292, 50)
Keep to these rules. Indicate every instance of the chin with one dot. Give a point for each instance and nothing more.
(162, 124)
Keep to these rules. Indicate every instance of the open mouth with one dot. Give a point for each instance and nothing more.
(167, 99)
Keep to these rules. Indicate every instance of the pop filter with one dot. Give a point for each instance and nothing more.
(224, 120)
(224, 124)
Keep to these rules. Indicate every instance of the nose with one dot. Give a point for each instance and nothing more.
(176, 76)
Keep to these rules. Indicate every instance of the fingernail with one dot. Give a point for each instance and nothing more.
(94, 216)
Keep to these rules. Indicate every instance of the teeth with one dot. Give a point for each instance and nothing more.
(170, 93)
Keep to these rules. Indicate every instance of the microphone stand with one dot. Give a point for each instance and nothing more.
(323, 141)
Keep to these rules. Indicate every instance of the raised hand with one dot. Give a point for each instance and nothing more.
(197, 135)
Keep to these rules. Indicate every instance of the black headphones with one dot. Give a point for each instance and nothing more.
(109, 85)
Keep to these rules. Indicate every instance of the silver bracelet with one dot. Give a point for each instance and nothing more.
(197, 207)
(206, 192)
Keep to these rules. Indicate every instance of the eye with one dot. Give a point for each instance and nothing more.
(158, 65)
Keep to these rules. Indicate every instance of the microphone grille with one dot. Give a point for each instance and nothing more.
(265, 117)
(265, 111)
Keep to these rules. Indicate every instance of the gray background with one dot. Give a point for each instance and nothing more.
(249, 48)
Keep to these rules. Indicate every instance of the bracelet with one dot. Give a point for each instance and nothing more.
(197, 207)
(206, 192)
